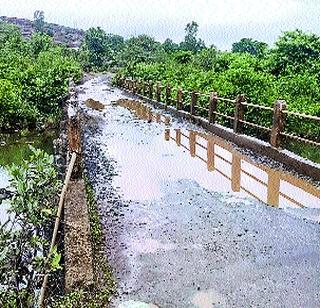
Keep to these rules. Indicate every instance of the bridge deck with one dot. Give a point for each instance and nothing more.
(178, 235)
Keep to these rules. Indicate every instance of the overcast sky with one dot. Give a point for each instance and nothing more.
(221, 22)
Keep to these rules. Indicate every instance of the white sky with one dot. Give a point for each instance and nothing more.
(221, 22)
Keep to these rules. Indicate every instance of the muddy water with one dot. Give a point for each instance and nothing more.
(16, 147)
(182, 153)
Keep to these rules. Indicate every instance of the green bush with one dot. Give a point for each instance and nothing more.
(231, 74)
(34, 77)
(24, 236)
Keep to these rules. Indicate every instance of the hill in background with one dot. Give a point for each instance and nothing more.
(67, 36)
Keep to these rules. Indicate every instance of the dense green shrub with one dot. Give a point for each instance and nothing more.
(263, 80)
(34, 77)
(24, 239)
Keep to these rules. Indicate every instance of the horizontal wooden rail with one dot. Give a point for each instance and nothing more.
(295, 137)
(257, 106)
(256, 125)
(302, 115)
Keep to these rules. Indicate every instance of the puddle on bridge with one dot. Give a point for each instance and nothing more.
(240, 174)
(209, 160)
(91, 103)
(143, 112)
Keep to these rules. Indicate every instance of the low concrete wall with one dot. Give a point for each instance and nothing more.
(289, 159)
(78, 250)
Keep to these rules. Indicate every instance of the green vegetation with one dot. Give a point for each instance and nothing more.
(288, 71)
(34, 77)
(24, 236)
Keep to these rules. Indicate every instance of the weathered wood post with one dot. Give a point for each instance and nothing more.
(213, 101)
(134, 90)
(178, 137)
(210, 154)
(179, 99)
(150, 88)
(192, 143)
(273, 193)
(236, 172)
(138, 86)
(194, 100)
(158, 91)
(168, 96)
(74, 140)
(167, 120)
(238, 114)
(167, 134)
(278, 123)
(149, 115)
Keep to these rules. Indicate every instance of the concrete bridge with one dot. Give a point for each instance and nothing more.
(190, 219)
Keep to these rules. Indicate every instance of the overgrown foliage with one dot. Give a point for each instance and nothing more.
(24, 236)
(34, 76)
(289, 71)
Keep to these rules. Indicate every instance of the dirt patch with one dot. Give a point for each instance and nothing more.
(96, 105)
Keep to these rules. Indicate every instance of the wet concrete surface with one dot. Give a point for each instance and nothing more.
(178, 235)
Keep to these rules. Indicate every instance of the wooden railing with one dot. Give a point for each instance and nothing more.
(278, 114)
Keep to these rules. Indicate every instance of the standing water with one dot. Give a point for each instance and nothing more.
(16, 147)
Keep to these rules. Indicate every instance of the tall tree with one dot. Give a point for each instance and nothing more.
(169, 46)
(191, 42)
(296, 51)
(95, 42)
(250, 46)
(38, 21)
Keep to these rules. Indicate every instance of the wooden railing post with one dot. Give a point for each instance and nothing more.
(278, 123)
(74, 142)
(134, 90)
(238, 114)
(210, 155)
(236, 172)
(192, 143)
(273, 193)
(213, 101)
(168, 96)
(158, 91)
(167, 134)
(179, 99)
(178, 137)
(150, 88)
(194, 100)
